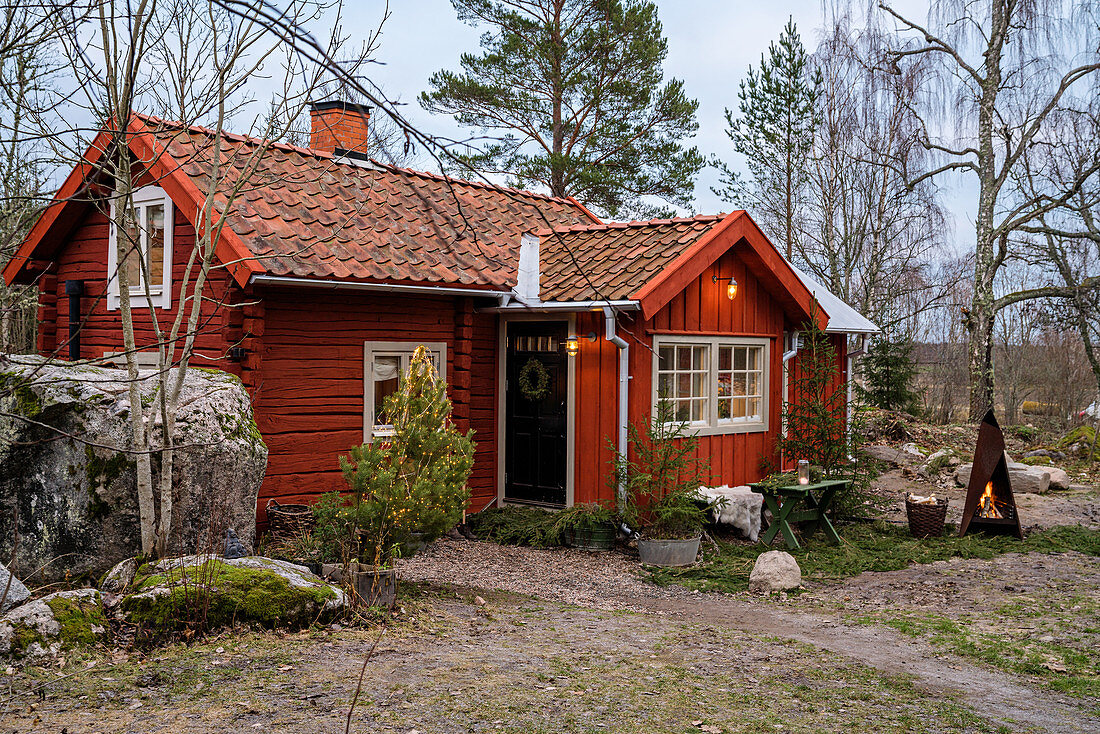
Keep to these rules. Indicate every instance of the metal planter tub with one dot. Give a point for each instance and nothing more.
(668, 552)
(592, 539)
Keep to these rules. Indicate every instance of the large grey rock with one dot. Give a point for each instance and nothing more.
(55, 622)
(774, 571)
(1025, 479)
(905, 455)
(16, 592)
(74, 486)
(250, 590)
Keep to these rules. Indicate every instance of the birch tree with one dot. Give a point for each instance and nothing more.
(123, 55)
(1002, 70)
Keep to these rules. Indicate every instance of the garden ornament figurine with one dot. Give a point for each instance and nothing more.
(234, 548)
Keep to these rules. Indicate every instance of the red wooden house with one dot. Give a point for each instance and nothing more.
(553, 329)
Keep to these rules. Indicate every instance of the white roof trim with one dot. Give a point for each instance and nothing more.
(843, 319)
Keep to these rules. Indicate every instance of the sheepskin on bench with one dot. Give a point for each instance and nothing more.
(738, 507)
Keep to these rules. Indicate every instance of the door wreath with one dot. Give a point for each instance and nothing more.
(534, 380)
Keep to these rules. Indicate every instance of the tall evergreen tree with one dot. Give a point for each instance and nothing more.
(572, 96)
(774, 130)
(888, 370)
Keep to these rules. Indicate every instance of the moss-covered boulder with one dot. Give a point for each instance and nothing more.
(64, 431)
(57, 622)
(253, 590)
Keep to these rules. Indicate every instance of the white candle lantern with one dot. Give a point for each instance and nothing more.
(803, 471)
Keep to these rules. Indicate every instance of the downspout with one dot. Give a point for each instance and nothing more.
(787, 357)
(74, 289)
(624, 386)
(851, 377)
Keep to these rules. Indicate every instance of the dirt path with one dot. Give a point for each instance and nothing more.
(1002, 698)
(607, 581)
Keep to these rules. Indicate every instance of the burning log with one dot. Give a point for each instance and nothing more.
(990, 504)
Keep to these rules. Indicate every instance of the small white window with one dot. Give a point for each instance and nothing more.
(715, 384)
(384, 366)
(148, 259)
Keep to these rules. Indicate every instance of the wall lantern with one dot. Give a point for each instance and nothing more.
(573, 342)
(731, 288)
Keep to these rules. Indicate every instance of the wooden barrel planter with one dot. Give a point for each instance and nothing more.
(288, 521)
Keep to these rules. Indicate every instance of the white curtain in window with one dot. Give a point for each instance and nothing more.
(386, 368)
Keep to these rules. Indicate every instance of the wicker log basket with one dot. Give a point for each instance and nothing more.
(288, 521)
(926, 520)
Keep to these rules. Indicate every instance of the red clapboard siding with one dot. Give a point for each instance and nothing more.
(702, 307)
(309, 401)
(83, 256)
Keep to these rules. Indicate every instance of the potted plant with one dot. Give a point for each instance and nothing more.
(414, 482)
(589, 526)
(661, 484)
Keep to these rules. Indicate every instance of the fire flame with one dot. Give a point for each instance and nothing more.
(987, 505)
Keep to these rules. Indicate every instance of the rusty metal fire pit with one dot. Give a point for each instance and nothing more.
(990, 505)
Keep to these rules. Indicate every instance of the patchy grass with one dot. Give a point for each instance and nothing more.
(867, 547)
(1040, 636)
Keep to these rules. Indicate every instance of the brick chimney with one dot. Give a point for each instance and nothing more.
(339, 127)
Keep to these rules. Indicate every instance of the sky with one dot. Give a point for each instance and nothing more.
(711, 43)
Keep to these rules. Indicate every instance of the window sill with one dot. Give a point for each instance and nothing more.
(725, 429)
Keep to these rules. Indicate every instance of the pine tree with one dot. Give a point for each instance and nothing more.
(888, 370)
(572, 96)
(774, 132)
(416, 481)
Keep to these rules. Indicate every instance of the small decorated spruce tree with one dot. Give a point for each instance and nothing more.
(415, 482)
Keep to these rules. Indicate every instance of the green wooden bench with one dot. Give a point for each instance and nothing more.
(785, 502)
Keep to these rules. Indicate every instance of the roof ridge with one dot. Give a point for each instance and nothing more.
(566, 229)
(337, 159)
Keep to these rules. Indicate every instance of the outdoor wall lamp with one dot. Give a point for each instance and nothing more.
(573, 342)
(731, 288)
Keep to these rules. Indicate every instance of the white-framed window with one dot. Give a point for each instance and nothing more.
(715, 384)
(384, 366)
(148, 260)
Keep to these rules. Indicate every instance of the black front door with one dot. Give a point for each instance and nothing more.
(535, 412)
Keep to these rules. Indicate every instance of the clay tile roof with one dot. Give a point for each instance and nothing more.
(616, 258)
(304, 213)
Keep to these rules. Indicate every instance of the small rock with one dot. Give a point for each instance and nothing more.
(17, 593)
(479, 601)
(774, 571)
(119, 578)
(1059, 479)
(58, 621)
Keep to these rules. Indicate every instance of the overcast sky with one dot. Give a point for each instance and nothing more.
(710, 45)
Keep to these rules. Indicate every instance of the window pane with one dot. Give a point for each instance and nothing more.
(754, 408)
(738, 407)
(683, 411)
(131, 244)
(155, 234)
(664, 385)
(699, 360)
(739, 358)
(665, 358)
(755, 355)
(683, 385)
(723, 409)
(683, 358)
(752, 386)
(725, 357)
(724, 380)
(387, 377)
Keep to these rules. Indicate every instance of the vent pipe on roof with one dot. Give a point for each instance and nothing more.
(527, 285)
